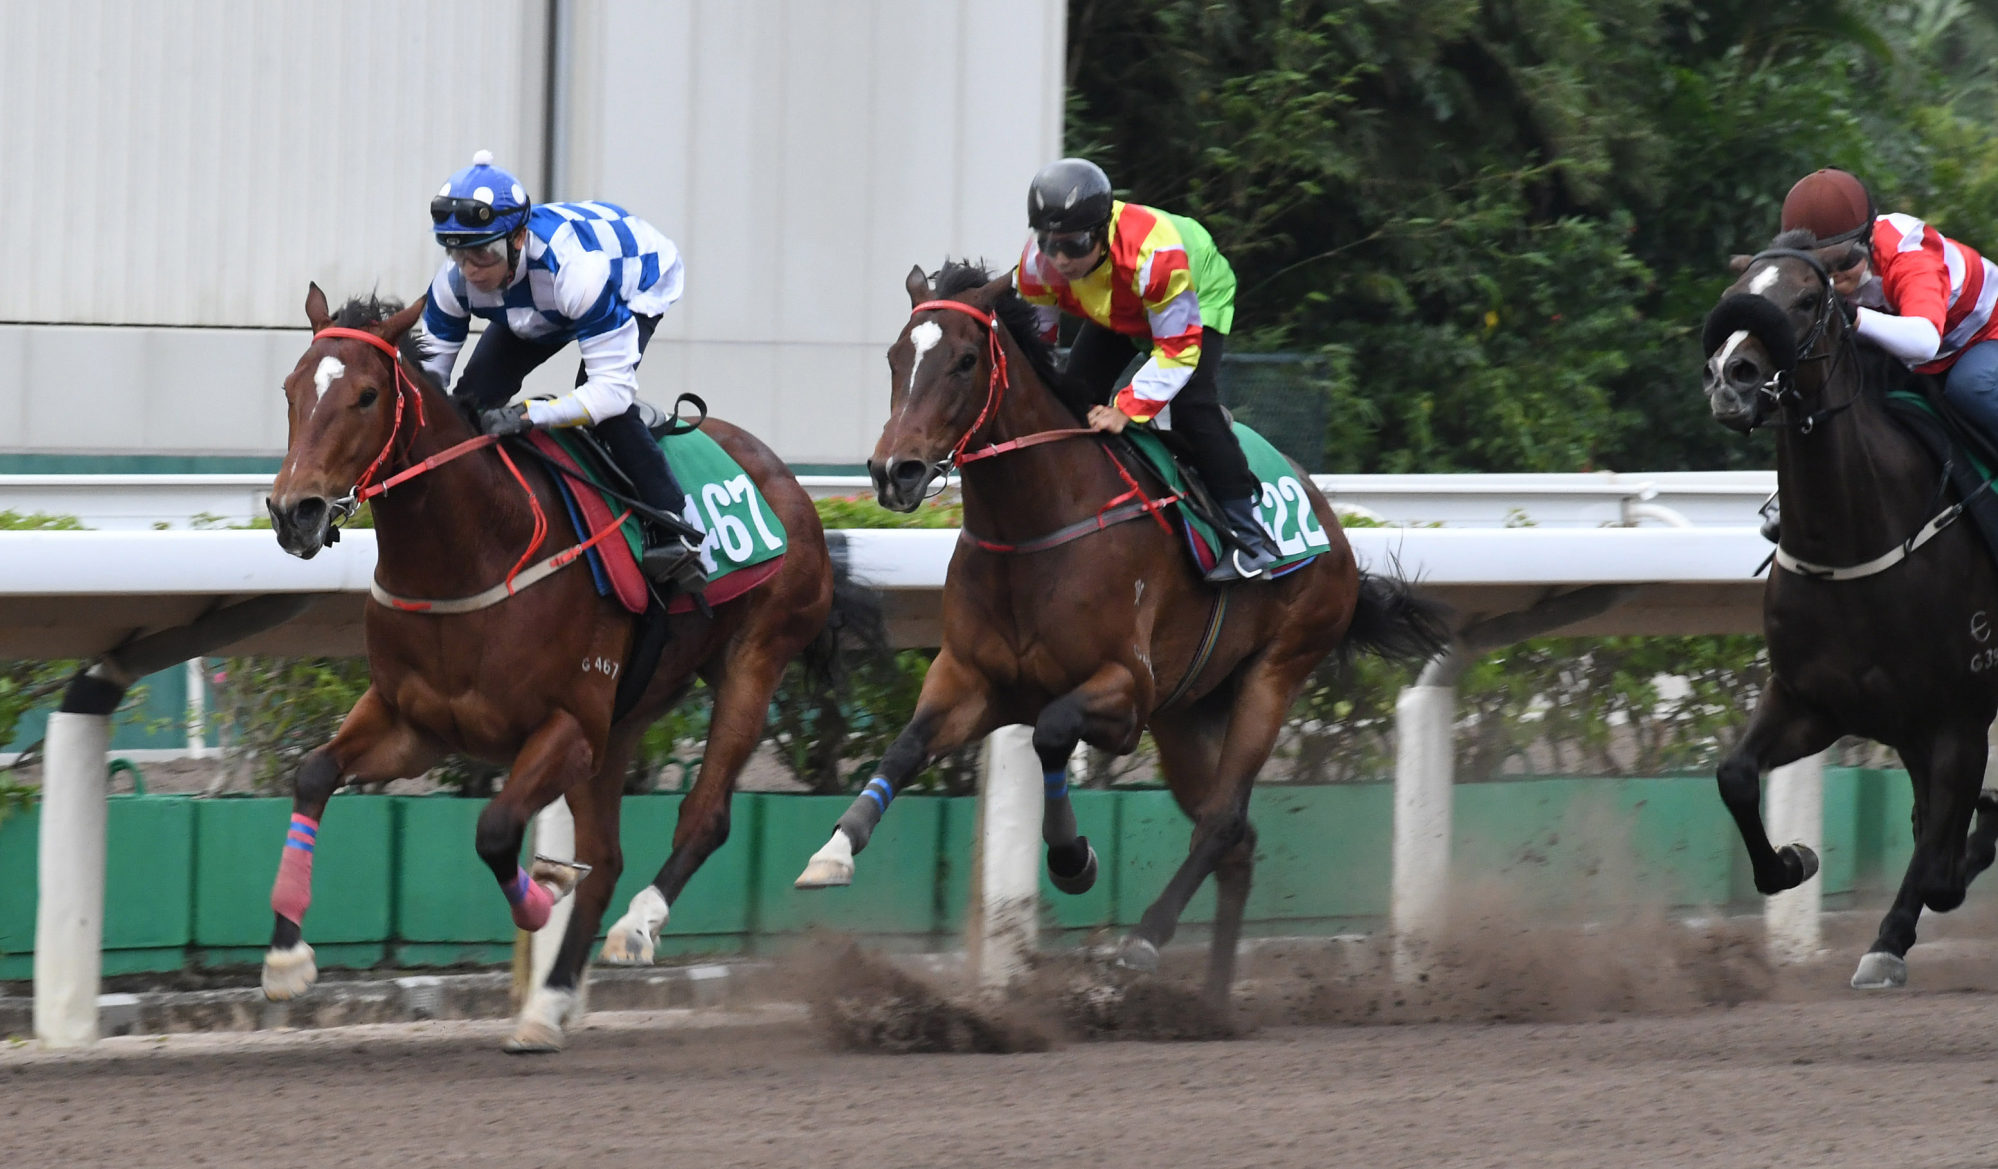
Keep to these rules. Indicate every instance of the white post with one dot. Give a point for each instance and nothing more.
(1425, 756)
(197, 709)
(69, 922)
(1005, 870)
(1795, 802)
(554, 836)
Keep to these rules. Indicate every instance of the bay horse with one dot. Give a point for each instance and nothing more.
(1071, 604)
(1878, 609)
(527, 681)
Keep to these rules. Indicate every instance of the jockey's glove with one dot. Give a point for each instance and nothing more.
(505, 421)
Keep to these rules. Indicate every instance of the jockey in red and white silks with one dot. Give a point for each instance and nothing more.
(1921, 296)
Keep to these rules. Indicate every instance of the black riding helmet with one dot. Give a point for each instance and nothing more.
(1068, 195)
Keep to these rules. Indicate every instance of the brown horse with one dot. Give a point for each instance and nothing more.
(528, 681)
(1099, 636)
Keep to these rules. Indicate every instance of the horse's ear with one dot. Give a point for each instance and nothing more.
(918, 286)
(1738, 264)
(315, 308)
(397, 325)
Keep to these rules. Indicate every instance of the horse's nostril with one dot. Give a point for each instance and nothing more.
(1741, 370)
(910, 473)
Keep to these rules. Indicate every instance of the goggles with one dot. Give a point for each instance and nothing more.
(1072, 244)
(483, 255)
(470, 212)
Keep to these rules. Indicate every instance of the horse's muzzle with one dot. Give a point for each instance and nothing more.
(902, 484)
(302, 525)
(1734, 392)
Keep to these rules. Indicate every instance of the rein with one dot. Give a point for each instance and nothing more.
(1130, 505)
(1781, 389)
(520, 575)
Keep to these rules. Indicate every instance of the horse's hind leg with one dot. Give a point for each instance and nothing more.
(741, 706)
(1105, 711)
(1782, 730)
(373, 744)
(1947, 774)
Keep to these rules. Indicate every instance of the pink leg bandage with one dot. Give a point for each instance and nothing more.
(530, 899)
(293, 891)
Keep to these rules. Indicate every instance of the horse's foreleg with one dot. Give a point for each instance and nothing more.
(1103, 710)
(955, 708)
(555, 758)
(595, 804)
(373, 745)
(1782, 730)
(741, 707)
(1947, 775)
(1220, 812)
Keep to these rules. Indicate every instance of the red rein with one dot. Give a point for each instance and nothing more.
(405, 390)
(995, 394)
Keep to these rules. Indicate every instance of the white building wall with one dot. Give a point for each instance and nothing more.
(803, 153)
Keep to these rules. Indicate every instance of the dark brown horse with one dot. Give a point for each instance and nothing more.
(1879, 624)
(528, 681)
(1102, 636)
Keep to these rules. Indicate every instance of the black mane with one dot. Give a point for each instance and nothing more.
(363, 311)
(961, 276)
(1797, 239)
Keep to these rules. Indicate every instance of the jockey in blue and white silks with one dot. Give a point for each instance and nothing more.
(541, 277)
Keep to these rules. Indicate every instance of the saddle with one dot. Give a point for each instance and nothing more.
(1967, 456)
(1284, 507)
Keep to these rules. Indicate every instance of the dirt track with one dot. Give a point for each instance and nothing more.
(1827, 1077)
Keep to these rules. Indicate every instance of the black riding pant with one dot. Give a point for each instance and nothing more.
(1098, 360)
(503, 359)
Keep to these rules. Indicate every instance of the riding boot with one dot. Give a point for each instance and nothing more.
(1772, 520)
(1253, 551)
(669, 557)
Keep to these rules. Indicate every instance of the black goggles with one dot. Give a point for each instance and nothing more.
(468, 211)
(1073, 244)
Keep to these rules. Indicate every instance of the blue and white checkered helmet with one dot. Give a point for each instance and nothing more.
(478, 205)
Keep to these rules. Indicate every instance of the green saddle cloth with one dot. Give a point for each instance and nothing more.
(1285, 507)
(722, 500)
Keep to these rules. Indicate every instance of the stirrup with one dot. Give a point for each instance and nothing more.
(1239, 565)
(675, 562)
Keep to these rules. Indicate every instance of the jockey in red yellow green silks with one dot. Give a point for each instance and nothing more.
(1140, 276)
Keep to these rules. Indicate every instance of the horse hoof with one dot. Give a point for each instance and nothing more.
(538, 1031)
(1138, 955)
(289, 973)
(825, 873)
(1806, 860)
(1078, 882)
(626, 945)
(560, 876)
(1880, 971)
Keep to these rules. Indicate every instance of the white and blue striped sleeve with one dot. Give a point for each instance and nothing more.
(606, 335)
(445, 320)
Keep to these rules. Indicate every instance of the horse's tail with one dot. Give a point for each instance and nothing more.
(856, 625)
(1392, 621)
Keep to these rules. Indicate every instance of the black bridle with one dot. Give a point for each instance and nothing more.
(1781, 388)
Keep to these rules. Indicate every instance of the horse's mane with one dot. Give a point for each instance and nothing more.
(1798, 239)
(361, 311)
(961, 276)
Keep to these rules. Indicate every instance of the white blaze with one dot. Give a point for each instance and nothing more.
(330, 369)
(924, 337)
(1765, 280)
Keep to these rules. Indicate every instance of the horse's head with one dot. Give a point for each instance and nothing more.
(1780, 312)
(941, 389)
(345, 401)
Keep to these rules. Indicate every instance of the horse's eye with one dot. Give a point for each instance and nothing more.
(368, 396)
(1810, 302)
(967, 363)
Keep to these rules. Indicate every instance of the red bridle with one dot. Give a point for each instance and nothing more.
(406, 391)
(995, 394)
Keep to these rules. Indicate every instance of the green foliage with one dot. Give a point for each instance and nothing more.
(1503, 220)
(860, 511)
(35, 521)
(277, 709)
